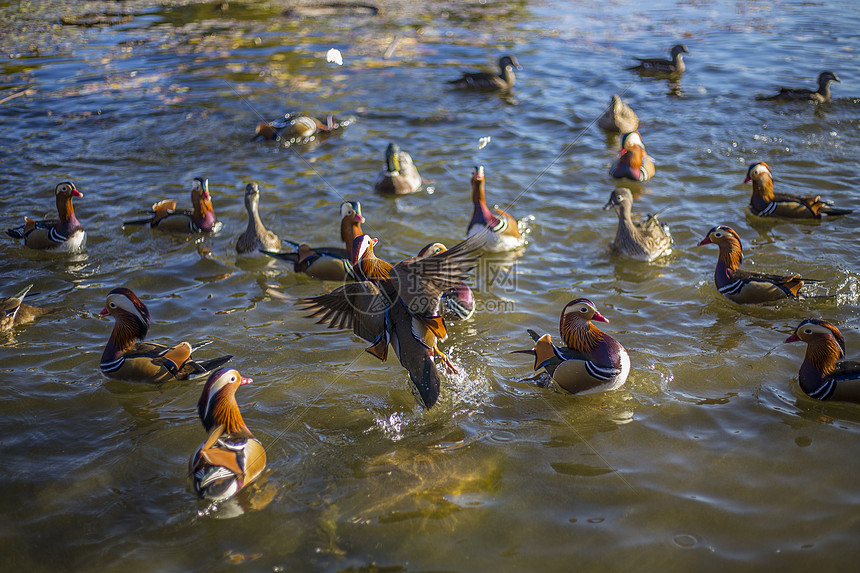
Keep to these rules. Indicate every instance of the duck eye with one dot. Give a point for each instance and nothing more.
(583, 309)
(807, 331)
(232, 379)
(113, 305)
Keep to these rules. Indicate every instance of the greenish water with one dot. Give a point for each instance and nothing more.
(710, 457)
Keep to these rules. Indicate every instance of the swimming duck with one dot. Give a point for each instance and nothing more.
(231, 457)
(486, 81)
(618, 117)
(822, 94)
(458, 302)
(256, 236)
(13, 311)
(299, 129)
(659, 66)
(128, 357)
(63, 234)
(822, 376)
(747, 287)
(401, 310)
(633, 161)
(646, 239)
(163, 215)
(504, 233)
(399, 176)
(328, 263)
(592, 362)
(765, 203)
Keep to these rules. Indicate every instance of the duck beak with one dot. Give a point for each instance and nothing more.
(103, 312)
(609, 205)
(748, 179)
(792, 338)
(358, 218)
(76, 193)
(599, 317)
(705, 241)
(245, 381)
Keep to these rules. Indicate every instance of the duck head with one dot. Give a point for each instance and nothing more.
(131, 317)
(350, 222)
(825, 345)
(576, 328)
(252, 197)
(679, 49)
(620, 199)
(509, 62)
(758, 172)
(729, 242)
(825, 78)
(432, 249)
(362, 248)
(217, 404)
(392, 158)
(630, 141)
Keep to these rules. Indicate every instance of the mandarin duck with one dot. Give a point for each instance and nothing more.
(504, 233)
(256, 236)
(458, 303)
(592, 362)
(618, 117)
(299, 129)
(486, 81)
(765, 203)
(328, 263)
(646, 238)
(747, 287)
(128, 357)
(231, 457)
(13, 311)
(822, 94)
(62, 234)
(165, 217)
(660, 66)
(633, 161)
(399, 176)
(822, 376)
(401, 309)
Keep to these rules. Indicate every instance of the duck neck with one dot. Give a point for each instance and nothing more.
(226, 411)
(204, 214)
(126, 332)
(820, 361)
(349, 230)
(580, 336)
(508, 75)
(728, 261)
(763, 188)
(481, 214)
(372, 267)
(255, 225)
(68, 223)
(824, 89)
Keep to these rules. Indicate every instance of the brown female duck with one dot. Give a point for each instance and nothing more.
(645, 239)
(660, 66)
(821, 95)
(256, 236)
(13, 311)
(485, 81)
(618, 117)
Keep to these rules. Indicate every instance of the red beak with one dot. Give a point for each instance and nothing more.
(358, 218)
(76, 193)
(599, 317)
(705, 241)
(748, 179)
(103, 312)
(245, 381)
(792, 338)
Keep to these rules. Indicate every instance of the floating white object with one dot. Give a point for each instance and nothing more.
(334, 56)
(482, 143)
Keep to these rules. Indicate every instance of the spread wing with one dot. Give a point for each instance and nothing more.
(360, 306)
(420, 282)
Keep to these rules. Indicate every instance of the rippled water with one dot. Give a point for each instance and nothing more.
(710, 456)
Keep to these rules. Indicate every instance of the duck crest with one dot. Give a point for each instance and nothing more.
(217, 404)
(481, 214)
